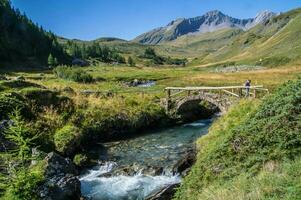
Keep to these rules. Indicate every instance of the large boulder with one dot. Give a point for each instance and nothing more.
(184, 165)
(61, 181)
(79, 62)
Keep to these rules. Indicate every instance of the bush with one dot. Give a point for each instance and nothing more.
(18, 181)
(80, 160)
(24, 185)
(73, 74)
(67, 139)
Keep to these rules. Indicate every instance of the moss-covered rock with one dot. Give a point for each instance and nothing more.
(11, 101)
(68, 139)
(80, 160)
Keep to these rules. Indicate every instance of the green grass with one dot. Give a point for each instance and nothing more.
(242, 146)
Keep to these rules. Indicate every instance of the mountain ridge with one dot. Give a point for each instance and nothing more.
(209, 22)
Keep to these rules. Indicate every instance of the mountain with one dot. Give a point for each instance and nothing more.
(209, 22)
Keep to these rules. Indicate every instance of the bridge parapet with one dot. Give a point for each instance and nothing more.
(222, 97)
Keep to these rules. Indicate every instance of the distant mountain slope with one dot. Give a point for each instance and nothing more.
(273, 43)
(23, 42)
(209, 22)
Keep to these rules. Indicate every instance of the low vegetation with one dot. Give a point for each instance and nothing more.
(160, 60)
(73, 74)
(67, 139)
(252, 152)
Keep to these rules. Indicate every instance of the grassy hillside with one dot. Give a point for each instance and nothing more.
(253, 152)
(268, 44)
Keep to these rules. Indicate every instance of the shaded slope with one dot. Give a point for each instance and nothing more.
(22, 41)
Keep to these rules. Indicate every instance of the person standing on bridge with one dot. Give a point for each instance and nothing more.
(248, 85)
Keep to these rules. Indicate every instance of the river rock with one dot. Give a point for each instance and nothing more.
(165, 193)
(184, 165)
(80, 62)
(152, 170)
(61, 181)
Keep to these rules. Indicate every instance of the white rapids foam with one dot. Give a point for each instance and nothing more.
(122, 187)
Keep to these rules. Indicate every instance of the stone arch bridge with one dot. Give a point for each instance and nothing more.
(221, 97)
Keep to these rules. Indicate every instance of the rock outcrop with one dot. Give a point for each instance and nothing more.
(61, 181)
(209, 22)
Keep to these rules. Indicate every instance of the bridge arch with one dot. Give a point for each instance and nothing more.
(216, 103)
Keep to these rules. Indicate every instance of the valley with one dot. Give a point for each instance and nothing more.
(87, 119)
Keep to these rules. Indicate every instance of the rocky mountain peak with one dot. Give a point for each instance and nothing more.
(209, 22)
(264, 16)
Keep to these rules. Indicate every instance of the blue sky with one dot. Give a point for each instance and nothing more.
(91, 19)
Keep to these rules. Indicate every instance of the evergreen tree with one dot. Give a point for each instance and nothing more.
(22, 40)
(51, 61)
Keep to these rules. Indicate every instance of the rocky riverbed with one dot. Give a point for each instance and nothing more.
(145, 167)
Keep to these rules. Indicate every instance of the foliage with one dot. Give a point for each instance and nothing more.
(19, 181)
(23, 41)
(12, 101)
(52, 62)
(80, 160)
(24, 184)
(67, 139)
(160, 60)
(94, 50)
(21, 135)
(73, 74)
(245, 140)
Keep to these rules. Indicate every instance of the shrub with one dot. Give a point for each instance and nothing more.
(67, 139)
(24, 185)
(18, 181)
(73, 74)
(80, 160)
(21, 135)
